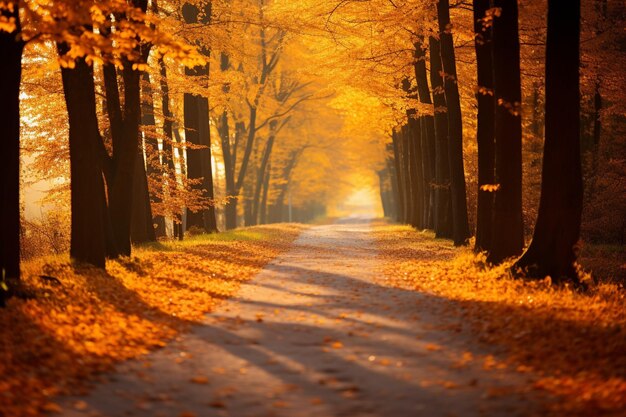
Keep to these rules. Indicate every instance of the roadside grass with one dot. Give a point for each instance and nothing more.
(571, 344)
(81, 321)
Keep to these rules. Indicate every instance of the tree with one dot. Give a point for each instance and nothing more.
(10, 79)
(90, 217)
(460, 225)
(443, 214)
(485, 135)
(552, 251)
(508, 224)
(197, 132)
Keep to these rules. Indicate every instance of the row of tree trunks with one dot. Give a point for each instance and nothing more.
(422, 168)
(10, 80)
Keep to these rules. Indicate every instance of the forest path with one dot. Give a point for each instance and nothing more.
(316, 333)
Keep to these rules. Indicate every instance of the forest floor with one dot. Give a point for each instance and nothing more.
(350, 319)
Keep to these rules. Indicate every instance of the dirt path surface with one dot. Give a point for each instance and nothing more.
(316, 333)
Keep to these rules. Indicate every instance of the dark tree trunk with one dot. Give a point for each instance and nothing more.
(124, 122)
(552, 250)
(89, 210)
(417, 176)
(197, 133)
(427, 123)
(485, 133)
(10, 80)
(393, 180)
(400, 190)
(208, 215)
(141, 227)
(508, 224)
(460, 232)
(191, 115)
(409, 201)
(443, 215)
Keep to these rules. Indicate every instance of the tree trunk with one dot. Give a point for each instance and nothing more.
(485, 133)
(260, 178)
(460, 233)
(208, 215)
(552, 250)
(508, 224)
(10, 80)
(417, 174)
(427, 123)
(154, 166)
(141, 227)
(400, 192)
(443, 215)
(124, 121)
(266, 187)
(89, 209)
(409, 201)
(197, 132)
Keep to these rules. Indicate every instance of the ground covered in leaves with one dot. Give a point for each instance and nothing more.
(81, 321)
(573, 343)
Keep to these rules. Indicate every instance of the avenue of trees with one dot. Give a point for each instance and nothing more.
(151, 119)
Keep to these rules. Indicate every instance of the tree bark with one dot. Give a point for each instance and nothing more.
(508, 224)
(485, 133)
(443, 215)
(10, 80)
(460, 232)
(89, 208)
(427, 123)
(413, 131)
(197, 133)
(552, 250)
(397, 157)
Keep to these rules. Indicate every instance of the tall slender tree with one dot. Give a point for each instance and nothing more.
(460, 224)
(197, 132)
(508, 225)
(552, 251)
(90, 217)
(427, 123)
(485, 133)
(10, 79)
(443, 214)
